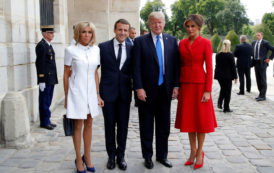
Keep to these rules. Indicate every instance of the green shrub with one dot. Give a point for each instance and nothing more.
(215, 41)
(234, 39)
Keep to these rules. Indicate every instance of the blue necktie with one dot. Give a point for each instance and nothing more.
(160, 60)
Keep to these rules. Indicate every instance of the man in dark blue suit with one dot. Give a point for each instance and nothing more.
(260, 62)
(46, 75)
(131, 36)
(156, 80)
(116, 91)
(243, 52)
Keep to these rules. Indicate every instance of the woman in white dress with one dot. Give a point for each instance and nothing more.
(81, 85)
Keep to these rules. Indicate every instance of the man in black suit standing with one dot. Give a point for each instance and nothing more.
(260, 62)
(115, 90)
(156, 80)
(243, 52)
(46, 75)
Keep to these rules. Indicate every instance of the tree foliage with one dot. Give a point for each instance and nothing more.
(247, 30)
(215, 41)
(209, 9)
(268, 20)
(234, 39)
(232, 17)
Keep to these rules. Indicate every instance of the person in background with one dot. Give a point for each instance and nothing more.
(225, 72)
(143, 32)
(116, 91)
(46, 75)
(156, 80)
(260, 61)
(195, 113)
(243, 52)
(132, 35)
(81, 86)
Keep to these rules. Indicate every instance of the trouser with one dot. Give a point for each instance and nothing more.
(45, 99)
(116, 113)
(160, 111)
(244, 73)
(225, 93)
(260, 74)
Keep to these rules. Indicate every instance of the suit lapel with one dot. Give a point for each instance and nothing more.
(111, 46)
(152, 47)
(165, 41)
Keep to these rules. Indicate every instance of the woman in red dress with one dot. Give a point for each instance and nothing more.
(195, 113)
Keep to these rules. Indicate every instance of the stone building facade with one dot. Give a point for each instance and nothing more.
(20, 32)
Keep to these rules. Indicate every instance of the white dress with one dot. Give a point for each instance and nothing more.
(82, 93)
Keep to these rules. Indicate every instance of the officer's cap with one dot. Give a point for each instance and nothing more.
(47, 28)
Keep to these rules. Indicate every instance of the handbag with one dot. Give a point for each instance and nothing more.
(68, 126)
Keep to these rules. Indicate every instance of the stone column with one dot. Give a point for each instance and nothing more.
(15, 131)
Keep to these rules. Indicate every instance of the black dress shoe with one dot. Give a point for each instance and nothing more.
(227, 110)
(165, 162)
(122, 164)
(260, 99)
(49, 127)
(111, 163)
(239, 93)
(149, 164)
(248, 91)
(219, 106)
(53, 125)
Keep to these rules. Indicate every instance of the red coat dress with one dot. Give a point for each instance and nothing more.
(192, 114)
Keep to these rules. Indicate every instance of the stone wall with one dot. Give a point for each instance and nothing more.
(20, 25)
(103, 14)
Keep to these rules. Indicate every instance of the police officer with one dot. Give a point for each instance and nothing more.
(46, 74)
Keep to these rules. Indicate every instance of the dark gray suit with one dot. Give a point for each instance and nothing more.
(260, 65)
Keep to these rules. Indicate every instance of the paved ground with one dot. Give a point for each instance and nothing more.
(243, 142)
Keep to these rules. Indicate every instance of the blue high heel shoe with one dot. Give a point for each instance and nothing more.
(84, 171)
(91, 169)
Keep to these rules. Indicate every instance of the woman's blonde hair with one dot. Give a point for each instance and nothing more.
(79, 27)
(226, 46)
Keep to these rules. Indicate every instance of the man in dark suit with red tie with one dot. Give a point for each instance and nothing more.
(116, 91)
(156, 80)
(260, 62)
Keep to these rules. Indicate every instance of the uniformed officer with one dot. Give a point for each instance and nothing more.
(46, 75)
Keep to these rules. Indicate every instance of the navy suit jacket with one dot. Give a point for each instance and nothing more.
(264, 48)
(45, 64)
(115, 83)
(128, 40)
(146, 66)
(243, 52)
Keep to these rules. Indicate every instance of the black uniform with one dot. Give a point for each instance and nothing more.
(46, 73)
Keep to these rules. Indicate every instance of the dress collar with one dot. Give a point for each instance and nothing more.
(85, 48)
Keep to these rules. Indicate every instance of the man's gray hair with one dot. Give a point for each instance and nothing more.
(243, 38)
(156, 15)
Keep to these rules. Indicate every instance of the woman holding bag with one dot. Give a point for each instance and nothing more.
(81, 85)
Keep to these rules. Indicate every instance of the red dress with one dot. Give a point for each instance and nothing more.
(192, 114)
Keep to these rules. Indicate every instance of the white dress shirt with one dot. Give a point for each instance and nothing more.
(124, 51)
(162, 44)
(258, 42)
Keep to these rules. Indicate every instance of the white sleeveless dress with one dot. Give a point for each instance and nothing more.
(82, 93)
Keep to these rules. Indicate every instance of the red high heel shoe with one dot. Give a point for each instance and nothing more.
(196, 166)
(187, 163)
